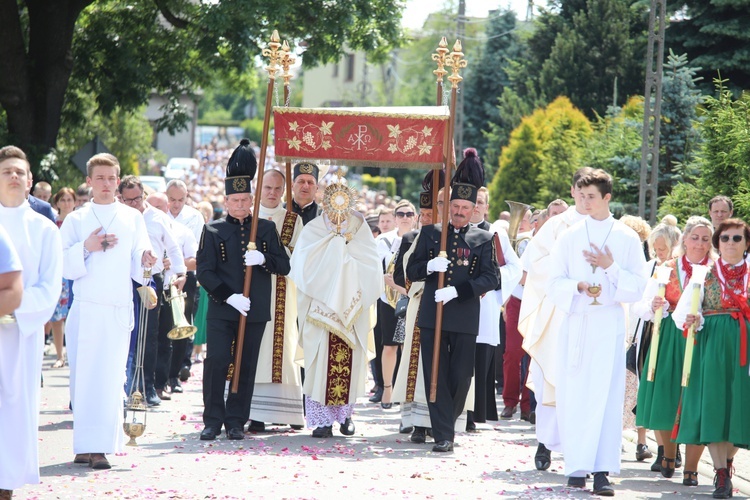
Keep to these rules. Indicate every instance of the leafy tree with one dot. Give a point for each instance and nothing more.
(487, 78)
(714, 34)
(723, 160)
(519, 166)
(541, 156)
(121, 51)
(596, 56)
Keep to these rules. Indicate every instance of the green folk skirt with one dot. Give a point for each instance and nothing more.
(658, 400)
(716, 403)
(200, 318)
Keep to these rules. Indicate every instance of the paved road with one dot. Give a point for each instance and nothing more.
(172, 463)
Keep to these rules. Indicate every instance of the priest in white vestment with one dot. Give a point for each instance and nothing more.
(37, 244)
(339, 278)
(105, 244)
(597, 265)
(277, 396)
(539, 323)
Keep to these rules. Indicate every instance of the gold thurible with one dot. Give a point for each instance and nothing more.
(456, 62)
(439, 58)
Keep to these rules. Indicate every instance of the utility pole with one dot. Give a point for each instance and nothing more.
(649, 184)
(530, 10)
(459, 111)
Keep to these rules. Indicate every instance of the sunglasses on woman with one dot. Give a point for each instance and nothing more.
(736, 238)
(401, 215)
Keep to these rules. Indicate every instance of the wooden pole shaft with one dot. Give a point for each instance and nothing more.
(288, 162)
(239, 345)
(451, 159)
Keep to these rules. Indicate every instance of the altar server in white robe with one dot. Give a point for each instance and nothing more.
(277, 396)
(105, 244)
(539, 323)
(37, 245)
(597, 266)
(339, 278)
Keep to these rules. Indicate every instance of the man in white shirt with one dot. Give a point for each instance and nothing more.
(163, 243)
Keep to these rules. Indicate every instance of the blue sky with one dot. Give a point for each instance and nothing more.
(417, 10)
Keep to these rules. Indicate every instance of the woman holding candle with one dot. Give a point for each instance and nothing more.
(659, 392)
(716, 399)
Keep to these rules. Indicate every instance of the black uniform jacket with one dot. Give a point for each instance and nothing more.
(308, 213)
(221, 266)
(461, 314)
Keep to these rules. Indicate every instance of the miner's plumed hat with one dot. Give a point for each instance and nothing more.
(306, 167)
(425, 197)
(241, 169)
(469, 177)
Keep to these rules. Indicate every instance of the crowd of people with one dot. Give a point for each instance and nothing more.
(579, 320)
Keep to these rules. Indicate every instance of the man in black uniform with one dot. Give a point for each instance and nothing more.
(304, 188)
(471, 270)
(222, 263)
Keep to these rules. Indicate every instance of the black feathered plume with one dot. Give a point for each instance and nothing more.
(242, 162)
(427, 182)
(470, 170)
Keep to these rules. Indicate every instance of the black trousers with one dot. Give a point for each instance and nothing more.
(182, 349)
(219, 337)
(376, 364)
(151, 347)
(454, 378)
(485, 406)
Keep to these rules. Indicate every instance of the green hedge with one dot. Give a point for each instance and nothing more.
(377, 183)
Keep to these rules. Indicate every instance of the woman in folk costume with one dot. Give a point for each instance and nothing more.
(339, 278)
(658, 400)
(716, 401)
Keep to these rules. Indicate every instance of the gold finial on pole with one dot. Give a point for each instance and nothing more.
(272, 53)
(439, 58)
(287, 60)
(456, 62)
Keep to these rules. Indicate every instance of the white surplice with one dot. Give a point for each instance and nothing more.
(590, 378)
(37, 243)
(539, 322)
(100, 320)
(280, 402)
(338, 283)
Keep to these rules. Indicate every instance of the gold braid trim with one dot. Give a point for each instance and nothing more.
(287, 229)
(339, 333)
(370, 114)
(278, 330)
(339, 371)
(411, 377)
(230, 371)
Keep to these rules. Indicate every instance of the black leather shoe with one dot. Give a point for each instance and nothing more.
(656, 466)
(184, 373)
(576, 482)
(375, 398)
(690, 478)
(235, 433)
(443, 446)
(209, 434)
(256, 426)
(175, 386)
(532, 418)
(402, 429)
(526, 416)
(347, 428)
(723, 484)
(152, 399)
(543, 457)
(667, 470)
(642, 452)
(678, 458)
(418, 435)
(471, 426)
(323, 432)
(508, 412)
(602, 486)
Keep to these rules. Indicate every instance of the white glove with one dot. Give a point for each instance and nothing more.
(439, 264)
(446, 294)
(239, 302)
(254, 258)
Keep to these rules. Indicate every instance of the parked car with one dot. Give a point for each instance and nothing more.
(177, 168)
(155, 182)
